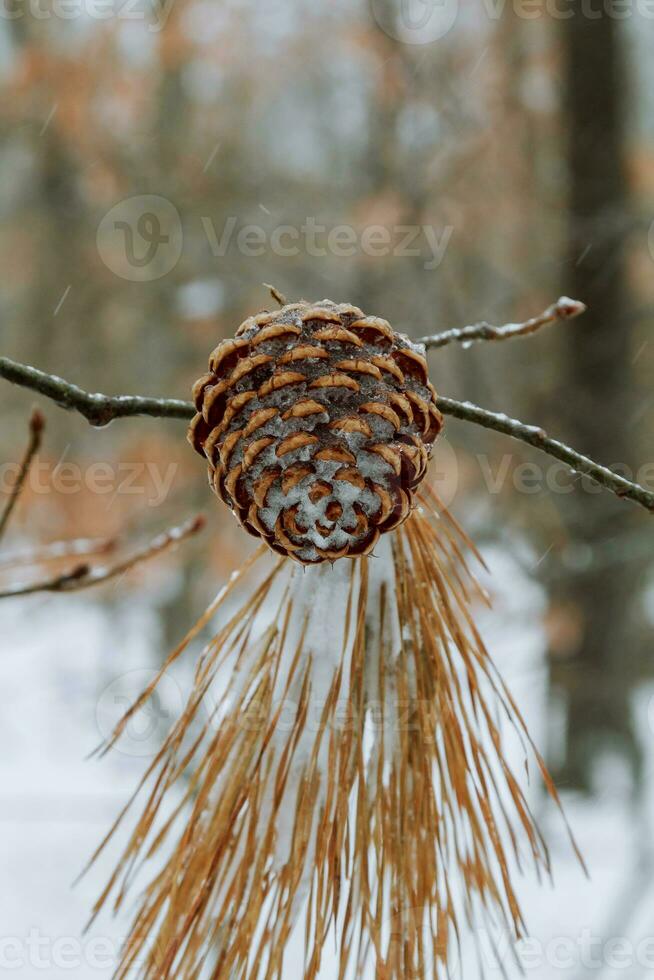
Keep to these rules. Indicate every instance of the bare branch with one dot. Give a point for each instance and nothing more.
(97, 409)
(563, 309)
(83, 576)
(535, 436)
(72, 397)
(58, 551)
(37, 424)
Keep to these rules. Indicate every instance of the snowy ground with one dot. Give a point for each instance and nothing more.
(67, 670)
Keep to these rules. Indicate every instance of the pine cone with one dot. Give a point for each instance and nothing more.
(317, 422)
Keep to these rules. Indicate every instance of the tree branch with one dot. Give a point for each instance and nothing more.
(37, 423)
(74, 398)
(537, 437)
(58, 551)
(83, 576)
(97, 409)
(563, 309)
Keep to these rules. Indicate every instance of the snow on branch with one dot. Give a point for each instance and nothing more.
(563, 309)
(97, 409)
(84, 576)
(533, 435)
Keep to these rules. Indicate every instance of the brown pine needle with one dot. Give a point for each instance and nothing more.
(287, 812)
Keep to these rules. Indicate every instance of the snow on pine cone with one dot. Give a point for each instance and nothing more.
(317, 422)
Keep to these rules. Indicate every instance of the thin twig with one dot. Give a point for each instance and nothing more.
(535, 436)
(563, 309)
(275, 293)
(72, 397)
(83, 576)
(58, 551)
(97, 409)
(37, 424)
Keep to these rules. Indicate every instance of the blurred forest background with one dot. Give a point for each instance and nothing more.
(153, 159)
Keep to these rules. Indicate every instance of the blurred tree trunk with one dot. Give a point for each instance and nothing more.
(596, 390)
(598, 361)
